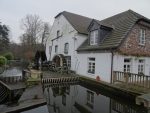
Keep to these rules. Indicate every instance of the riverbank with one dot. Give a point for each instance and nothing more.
(114, 89)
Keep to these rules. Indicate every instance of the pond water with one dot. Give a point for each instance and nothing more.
(82, 99)
(13, 71)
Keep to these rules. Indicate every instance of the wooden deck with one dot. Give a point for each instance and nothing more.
(14, 86)
(31, 98)
(19, 85)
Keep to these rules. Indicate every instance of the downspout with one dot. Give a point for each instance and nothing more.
(74, 54)
(51, 50)
(112, 63)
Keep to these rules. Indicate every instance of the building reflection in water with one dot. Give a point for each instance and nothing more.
(78, 99)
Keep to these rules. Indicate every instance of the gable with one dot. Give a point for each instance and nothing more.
(61, 24)
(94, 25)
(78, 22)
(131, 45)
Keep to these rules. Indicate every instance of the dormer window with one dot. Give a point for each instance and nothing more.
(94, 37)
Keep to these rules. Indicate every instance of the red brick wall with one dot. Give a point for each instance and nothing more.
(131, 46)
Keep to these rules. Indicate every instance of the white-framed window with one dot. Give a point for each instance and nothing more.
(141, 66)
(90, 99)
(142, 36)
(56, 48)
(94, 37)
(91, 65)
(127, 65)
(66, 48)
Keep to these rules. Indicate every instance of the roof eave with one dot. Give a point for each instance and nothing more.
(97, 49)
(59, 14)
(144, 19)
(82, 33)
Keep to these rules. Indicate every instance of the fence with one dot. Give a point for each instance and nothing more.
(13, 79)
(122, 108)
(131, 79)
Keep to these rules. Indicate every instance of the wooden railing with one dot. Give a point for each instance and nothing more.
(131, 78)
(122, 108)
(13, 79)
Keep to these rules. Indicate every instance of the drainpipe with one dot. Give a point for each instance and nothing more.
(112, 63)
(75, 55)
(51, 50)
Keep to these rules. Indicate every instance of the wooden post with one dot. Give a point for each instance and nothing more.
(114, 77)
(127, 79)
(147, 85)
(41, 76)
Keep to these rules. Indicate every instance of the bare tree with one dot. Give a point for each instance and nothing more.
(35, 34)
(46, 33)
(27, 49)
(33, 27)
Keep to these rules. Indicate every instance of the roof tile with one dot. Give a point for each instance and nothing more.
(122, 23)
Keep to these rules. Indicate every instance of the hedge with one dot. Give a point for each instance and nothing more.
(3, 60)
(8, 56)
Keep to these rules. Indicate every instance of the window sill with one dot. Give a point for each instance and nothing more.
(93, 44)
(141, 45)
(58, 36)
(65, 52)
(92, 74)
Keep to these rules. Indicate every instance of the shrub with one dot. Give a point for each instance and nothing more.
(3, 60)
(8, 56)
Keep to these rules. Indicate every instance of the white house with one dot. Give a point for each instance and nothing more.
(97, 48)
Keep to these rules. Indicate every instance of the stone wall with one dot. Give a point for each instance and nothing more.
(131, 46)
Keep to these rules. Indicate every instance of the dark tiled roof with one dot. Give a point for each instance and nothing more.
(80, 23)
(121, 23)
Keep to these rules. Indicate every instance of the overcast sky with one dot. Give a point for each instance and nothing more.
(12, 11)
